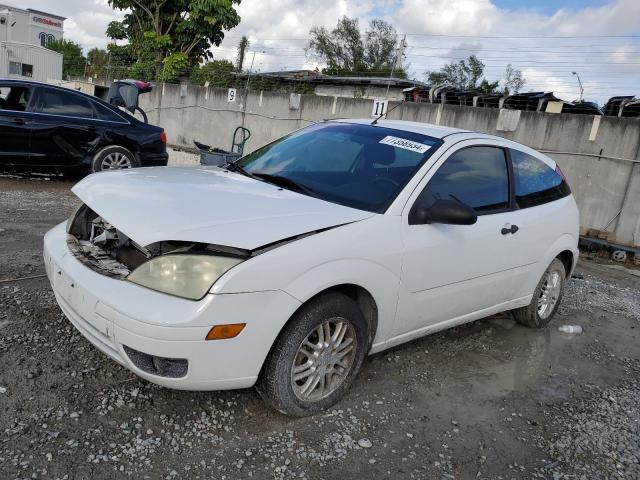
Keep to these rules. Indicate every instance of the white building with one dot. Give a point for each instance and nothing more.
(24, 34)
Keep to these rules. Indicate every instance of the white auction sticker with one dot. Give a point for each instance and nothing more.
(406, 144)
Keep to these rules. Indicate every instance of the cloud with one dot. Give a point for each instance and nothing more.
(439, 31)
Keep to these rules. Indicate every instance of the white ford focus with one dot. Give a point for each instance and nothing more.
(288, 267)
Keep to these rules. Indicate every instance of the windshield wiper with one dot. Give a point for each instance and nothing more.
(234, 167)
(286, 182)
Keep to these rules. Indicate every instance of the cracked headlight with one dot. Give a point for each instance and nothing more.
(187, 276)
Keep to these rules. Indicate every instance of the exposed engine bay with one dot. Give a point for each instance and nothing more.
(101, 246)
(109, 251)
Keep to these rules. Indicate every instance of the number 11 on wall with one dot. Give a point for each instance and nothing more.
(379, 108)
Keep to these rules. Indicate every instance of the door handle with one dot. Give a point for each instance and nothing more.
(19, 121)
(511, 229)
(91, 128)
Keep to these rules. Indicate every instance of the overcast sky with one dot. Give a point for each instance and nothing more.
(600, 39)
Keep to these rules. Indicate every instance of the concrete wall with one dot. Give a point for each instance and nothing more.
(606, 189)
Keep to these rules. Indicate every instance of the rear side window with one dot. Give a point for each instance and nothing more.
(105, 113)
(14, 98)
(59, 102)
(535, 181)
(477, 176)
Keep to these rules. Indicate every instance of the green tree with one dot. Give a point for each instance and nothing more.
(73, 62)
(169, 37)
(513, 80)
(243, 46)
(97, 61)
(219, 73)
(464, 74)
(119, 61)
(348, 52)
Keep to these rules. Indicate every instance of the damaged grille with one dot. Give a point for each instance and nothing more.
(96, 258)
(102, 247)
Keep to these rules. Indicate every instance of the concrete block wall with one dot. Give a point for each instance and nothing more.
(607, 189)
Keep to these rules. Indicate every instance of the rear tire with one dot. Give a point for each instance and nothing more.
(316, 357)
(114, 157)
(546, 298)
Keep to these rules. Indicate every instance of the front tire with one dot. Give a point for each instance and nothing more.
(316, 357)
(114, 158)
(546, 298)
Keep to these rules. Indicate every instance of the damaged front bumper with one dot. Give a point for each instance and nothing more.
(119, 317)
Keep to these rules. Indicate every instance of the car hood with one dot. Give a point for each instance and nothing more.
(206, 204)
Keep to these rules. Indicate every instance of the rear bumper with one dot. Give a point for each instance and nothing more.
(112, 314)
(154, 159)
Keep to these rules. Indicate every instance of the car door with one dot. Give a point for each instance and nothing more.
(451, 272)
(538, 185)
(15, 124)
(66, 131)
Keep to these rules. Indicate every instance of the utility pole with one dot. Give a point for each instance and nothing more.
(579, 84)
(246, 89)
(396, 62)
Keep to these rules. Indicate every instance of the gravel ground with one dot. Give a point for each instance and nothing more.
(490, 400)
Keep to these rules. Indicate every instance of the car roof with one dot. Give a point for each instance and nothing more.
(428, 129)
(34, 83)
(25, 82)
(437, 131)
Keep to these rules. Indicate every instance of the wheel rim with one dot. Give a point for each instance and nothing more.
(115, 161)
(324, 359)
(549, 294)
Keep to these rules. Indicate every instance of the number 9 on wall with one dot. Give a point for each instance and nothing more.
(231, 95)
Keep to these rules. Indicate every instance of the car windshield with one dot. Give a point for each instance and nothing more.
(359, 166)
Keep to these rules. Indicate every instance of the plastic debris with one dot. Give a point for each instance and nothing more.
(570, 328)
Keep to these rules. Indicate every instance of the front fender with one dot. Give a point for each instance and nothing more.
(380, 282)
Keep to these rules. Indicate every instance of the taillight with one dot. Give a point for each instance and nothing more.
(163, 137)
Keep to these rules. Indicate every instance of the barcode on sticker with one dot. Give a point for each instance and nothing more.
(406, 144)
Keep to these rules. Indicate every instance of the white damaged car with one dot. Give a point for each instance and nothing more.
(286, 268)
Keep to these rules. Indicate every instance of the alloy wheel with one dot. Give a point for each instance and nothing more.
(115, 161)
(324, 359)
(549, 294)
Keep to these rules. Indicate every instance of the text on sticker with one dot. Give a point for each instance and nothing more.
(404, 143)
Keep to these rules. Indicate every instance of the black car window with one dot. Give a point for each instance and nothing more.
(535, 181)
(477, 176)
(15, 98)
(104, 113)
(59, 102)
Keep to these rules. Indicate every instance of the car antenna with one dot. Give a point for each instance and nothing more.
(375, 122)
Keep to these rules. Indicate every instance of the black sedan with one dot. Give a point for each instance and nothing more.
(49, 128)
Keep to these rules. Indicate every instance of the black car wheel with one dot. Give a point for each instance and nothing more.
(114, 158)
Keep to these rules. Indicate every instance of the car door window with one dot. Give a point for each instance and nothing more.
(477, 176)
(105, 113)
(59, 102)
(535, 182)
(14, 98)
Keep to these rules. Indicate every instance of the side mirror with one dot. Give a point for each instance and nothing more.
(448, 212)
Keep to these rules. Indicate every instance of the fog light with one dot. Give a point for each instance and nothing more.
(161, 366)
(221, 332)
